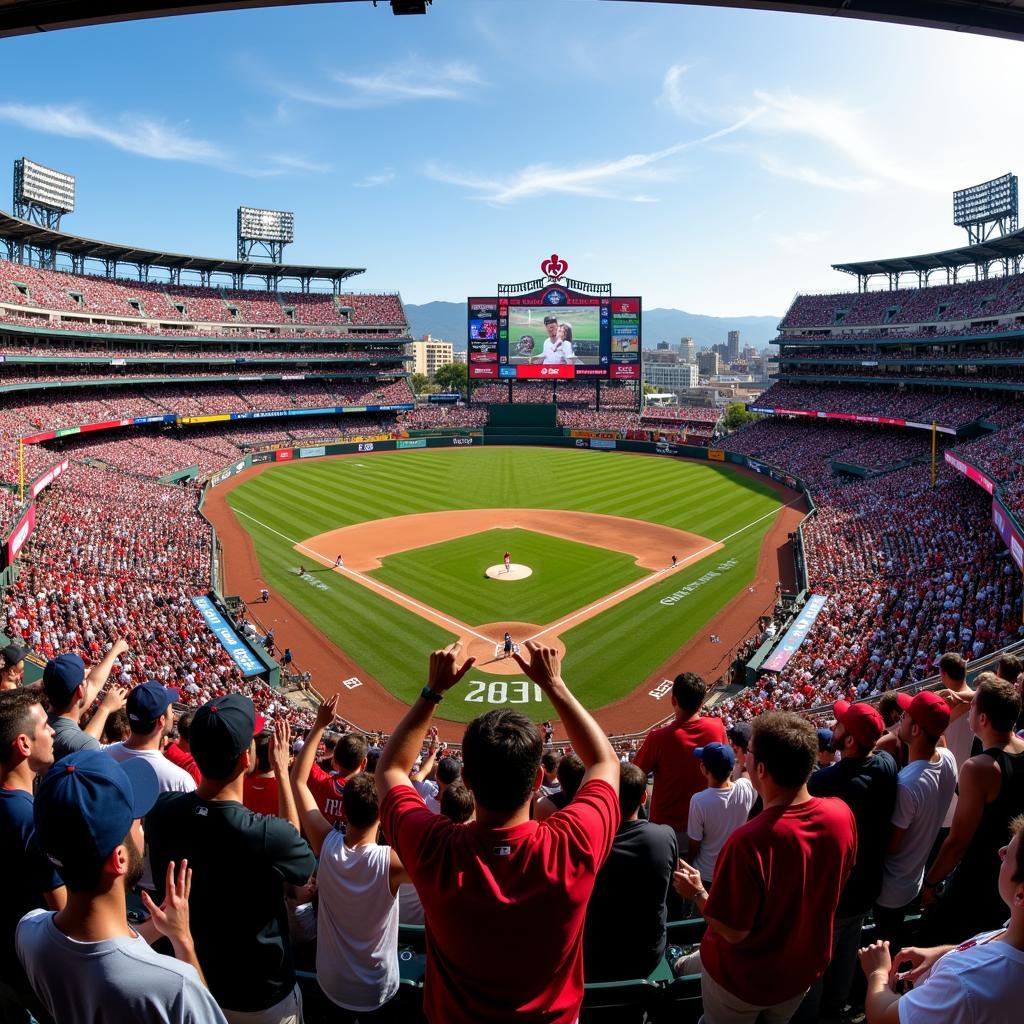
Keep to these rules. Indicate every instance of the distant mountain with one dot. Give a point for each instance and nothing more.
(447, 320)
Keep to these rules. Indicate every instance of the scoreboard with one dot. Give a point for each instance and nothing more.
(554, 332)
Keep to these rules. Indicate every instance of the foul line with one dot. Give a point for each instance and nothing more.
(372, 584)
(649, 580)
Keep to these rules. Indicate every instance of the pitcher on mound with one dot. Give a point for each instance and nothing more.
(508, 562)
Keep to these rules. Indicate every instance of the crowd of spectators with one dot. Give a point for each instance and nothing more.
(998, 296)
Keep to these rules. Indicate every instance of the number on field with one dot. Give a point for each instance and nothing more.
(502, 692)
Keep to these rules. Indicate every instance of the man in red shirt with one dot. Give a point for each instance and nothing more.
(179, 752)
(668, 753)
(776, 886)
(505, 897)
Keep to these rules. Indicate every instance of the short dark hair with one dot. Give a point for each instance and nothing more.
(954, 666)
(350, 751)
(359, 800)
(999, 700)
(632, 786)
(117, 727)
(689, 691)
(457, 803)
(1009, 668)
(549, 760)
(16, 717)
(448, 770)
(185, 723)
(501, 752)
(263, 752)
(787, 746)
(889, 708)
(570, 774)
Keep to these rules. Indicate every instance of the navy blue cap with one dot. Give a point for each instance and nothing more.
(148, 701)
(221, 731)
(11, 655)
(718, 758)
(86, 804)
(824, 740)
(740, 734)
(62, 676)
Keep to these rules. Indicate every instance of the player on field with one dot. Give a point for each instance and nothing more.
(508, 562)
(508, 644)
(339, 562)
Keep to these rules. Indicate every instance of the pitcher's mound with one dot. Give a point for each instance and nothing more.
(515, 572)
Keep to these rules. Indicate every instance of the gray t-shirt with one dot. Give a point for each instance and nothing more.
(69, 737)
(117, 981)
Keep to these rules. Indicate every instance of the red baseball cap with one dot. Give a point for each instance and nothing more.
(927, 710)
(861, 721)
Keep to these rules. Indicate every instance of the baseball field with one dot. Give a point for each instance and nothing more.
(417, 531)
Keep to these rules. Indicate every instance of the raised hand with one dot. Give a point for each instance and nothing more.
(875, 959)
(444, 671)
(171, 918)
(327, 712)
(544, 667)
(115, 698)
(280, 746)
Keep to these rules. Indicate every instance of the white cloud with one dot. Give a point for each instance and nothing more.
(399, 83)
(375, 180)
(811, 176)
(671, 90)
(147, 137)
(604, 180)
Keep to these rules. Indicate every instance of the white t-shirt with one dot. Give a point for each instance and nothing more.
(923, 792)
(169, 776)
(555, 353)
(980, 985)
(410, 909)
(357, 927)
(714, 815)
(116, 981)
(959, 739)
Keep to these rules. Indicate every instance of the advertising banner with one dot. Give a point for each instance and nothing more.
(610, 435)
(716, 455)
(1007, 529)
(67, 431)
(796, 634)
(219, 418)
(974, 475)
(21, 533)
(416, 442)
(602, 442)
(259, 457)
(312, 452)
(239, 653)
(284, 455)
(42, 482)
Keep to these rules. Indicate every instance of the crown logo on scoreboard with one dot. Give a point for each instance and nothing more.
(554, 268)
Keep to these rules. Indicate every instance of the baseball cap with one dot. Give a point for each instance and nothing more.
(740, 734)
(824, 739)
(221, 732)
(927, 710)
(12, 654)
(861, 721)
(62, 676)
(148, 701)
(86, 804)
(718, 758)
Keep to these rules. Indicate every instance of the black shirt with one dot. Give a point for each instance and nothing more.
(624, 933)
(240, 861)
(868, 788)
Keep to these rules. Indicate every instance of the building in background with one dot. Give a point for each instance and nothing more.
(670, 377)
(687, 350)
(733, 346)
(707, 363)
(430, 353)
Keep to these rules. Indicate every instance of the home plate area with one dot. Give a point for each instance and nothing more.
(515, 571)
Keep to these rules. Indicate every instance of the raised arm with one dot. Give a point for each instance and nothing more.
(398, 757)
(590, 743)
(280, 744)
(314, 824)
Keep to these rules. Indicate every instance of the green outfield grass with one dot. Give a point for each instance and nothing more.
(450, 576)
(608, 655)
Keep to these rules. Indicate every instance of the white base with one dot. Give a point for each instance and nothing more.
(514, 572)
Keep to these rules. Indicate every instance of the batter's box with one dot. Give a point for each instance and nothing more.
(352, 683)
(499, 650)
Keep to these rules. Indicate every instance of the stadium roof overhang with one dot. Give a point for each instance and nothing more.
(22, 232)
(1008, 247)
(987, 17)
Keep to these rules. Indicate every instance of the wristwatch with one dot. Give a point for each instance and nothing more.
(432, 695)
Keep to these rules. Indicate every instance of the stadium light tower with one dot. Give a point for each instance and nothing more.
(41, 194)
(265, 232)
(981, 209)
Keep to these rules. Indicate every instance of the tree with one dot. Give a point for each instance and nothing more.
(452, 377)
(736, 416)
(419, 381)
(650, 389)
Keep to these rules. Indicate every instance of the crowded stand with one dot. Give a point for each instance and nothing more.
(103, 350)
(1000, 296)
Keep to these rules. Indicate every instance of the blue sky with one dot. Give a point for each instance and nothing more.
(717, 161)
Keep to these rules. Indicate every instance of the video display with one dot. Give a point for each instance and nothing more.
(554, 333)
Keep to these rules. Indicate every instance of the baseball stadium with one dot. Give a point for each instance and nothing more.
(216, 477)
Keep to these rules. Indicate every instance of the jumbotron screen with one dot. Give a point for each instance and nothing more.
(554, 333)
